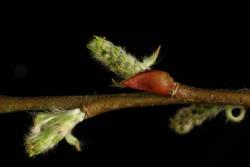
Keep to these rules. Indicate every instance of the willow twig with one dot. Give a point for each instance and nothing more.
(97, 104)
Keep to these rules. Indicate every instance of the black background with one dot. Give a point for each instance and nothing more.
(44, 54)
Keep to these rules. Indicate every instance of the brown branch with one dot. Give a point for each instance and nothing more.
(97, 104)
(197, 95)
(93, 105)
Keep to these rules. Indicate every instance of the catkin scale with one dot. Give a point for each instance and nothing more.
(153, 81)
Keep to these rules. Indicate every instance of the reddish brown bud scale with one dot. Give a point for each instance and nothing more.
(154, 81)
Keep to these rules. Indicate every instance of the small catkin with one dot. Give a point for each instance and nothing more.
(117, 59)
(187, 118)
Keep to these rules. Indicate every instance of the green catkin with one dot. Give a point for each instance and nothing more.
(50, 128)
(117, 59)
(187, 118)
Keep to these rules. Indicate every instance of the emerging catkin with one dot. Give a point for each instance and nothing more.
(117, 60)
(187, 118)
(50, 128)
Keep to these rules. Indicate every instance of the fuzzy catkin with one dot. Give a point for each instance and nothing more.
(117, 59)
(187, 118)
(50, 128)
